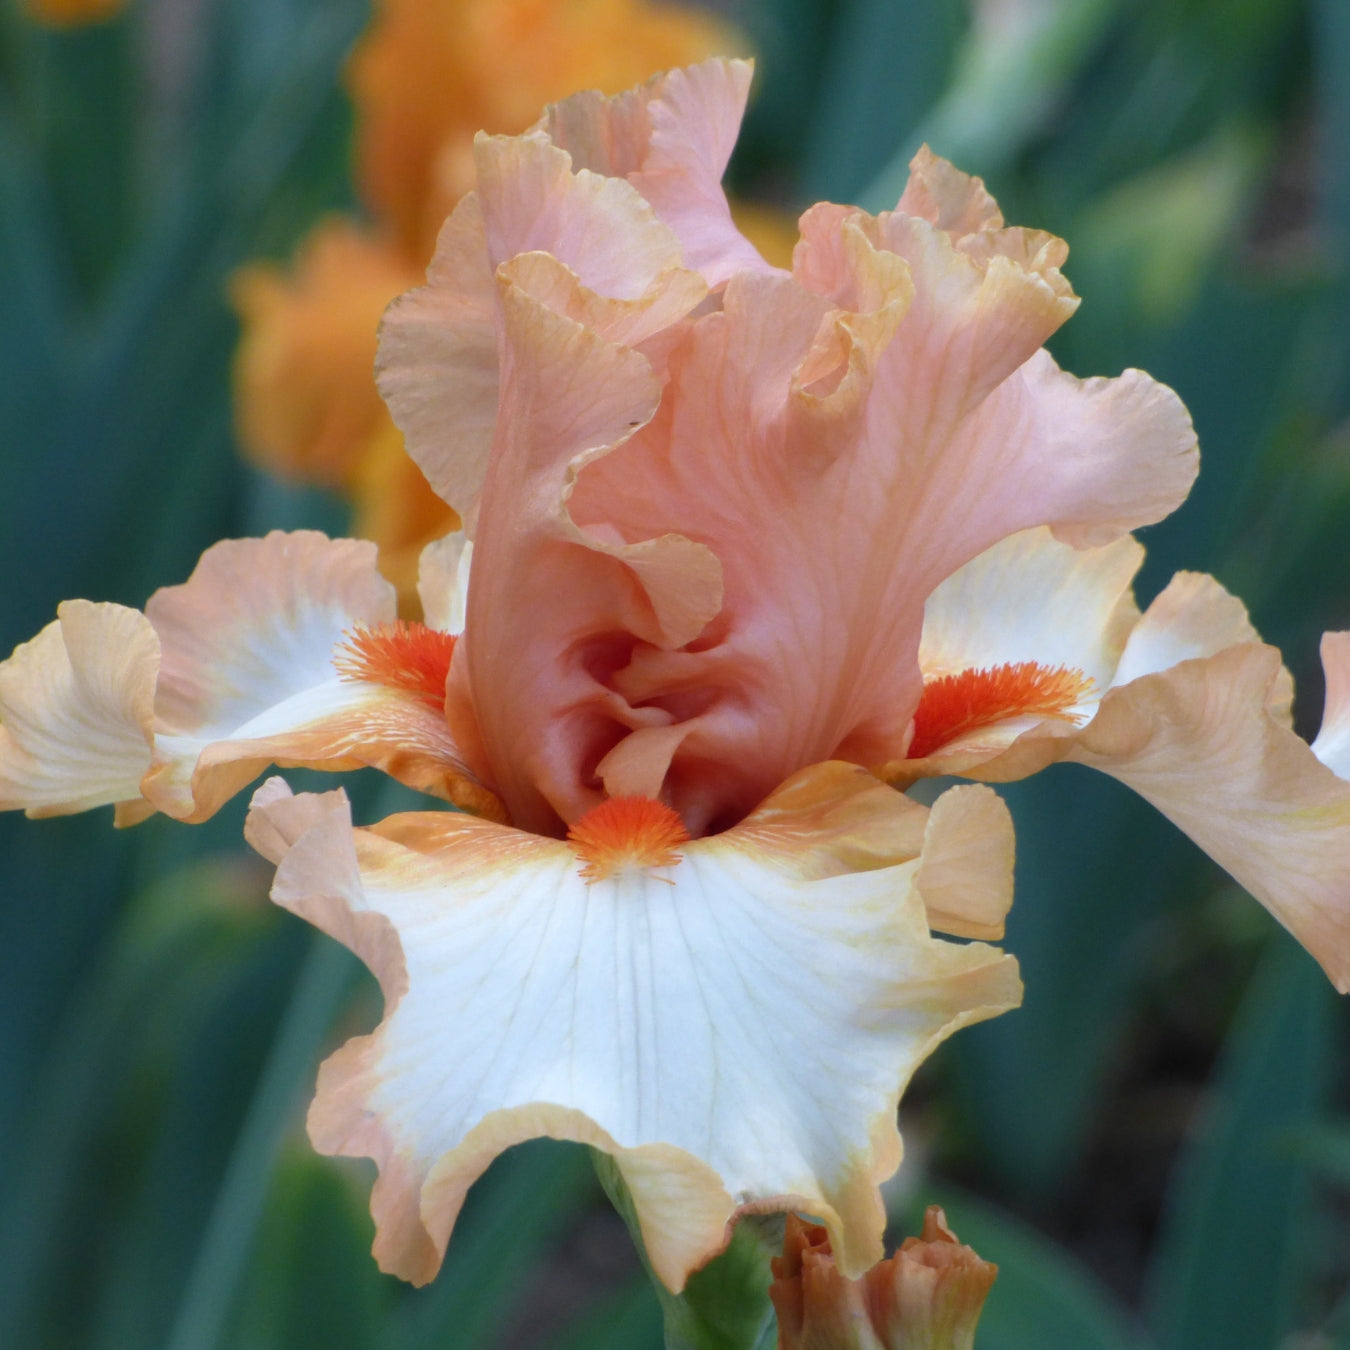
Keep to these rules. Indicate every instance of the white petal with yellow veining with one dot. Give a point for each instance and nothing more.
(754, 1011)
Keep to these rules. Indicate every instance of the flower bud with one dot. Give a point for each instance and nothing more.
(928, 1296)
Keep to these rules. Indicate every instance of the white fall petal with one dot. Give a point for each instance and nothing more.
(735, 1029)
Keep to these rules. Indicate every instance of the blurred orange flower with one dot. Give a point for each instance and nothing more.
(72, 13)
(428, 75)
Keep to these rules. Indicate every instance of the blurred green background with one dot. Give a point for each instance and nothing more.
(1155, 1149)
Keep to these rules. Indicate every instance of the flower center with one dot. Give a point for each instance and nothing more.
(627, 832)
(954, 705)
(402, 655)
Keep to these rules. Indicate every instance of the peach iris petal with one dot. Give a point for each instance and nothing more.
(1200, 741)
(804, 453)
(582, 595)
(429, 74)
(77, 710)
(1190, 709)
(1332, 745)
(671, 139)
(249, 678)
(628, 1013)
(247, 664)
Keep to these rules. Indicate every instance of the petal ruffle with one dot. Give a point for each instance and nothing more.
(671, 138)
(581, 593)
(76, 712)
(735, 1029)
(252, 675)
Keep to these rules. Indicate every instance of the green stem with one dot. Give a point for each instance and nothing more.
(723, 1306)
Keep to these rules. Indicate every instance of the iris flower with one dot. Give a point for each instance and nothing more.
(749, 547)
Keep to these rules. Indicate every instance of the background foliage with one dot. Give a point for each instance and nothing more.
(1155, 1148)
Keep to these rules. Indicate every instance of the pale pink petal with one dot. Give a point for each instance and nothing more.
(1200, 742)
(629, 1013)
(437, 363)
(253, 645)
(554, 602)
(703, 558)
(939, 192)
(533, 202)
(671, 139)
(76, 708)
(1332, 745)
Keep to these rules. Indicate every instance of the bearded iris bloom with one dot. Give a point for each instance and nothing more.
(749, 547)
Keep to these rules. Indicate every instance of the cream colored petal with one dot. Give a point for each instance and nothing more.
(251, 676)
(735, 1028)
(1332, 745)
(443, 581)
(967, 842)
(1201, 743)
(1029, 599)
(1192, 616)
(1032, 598)
(76, 707)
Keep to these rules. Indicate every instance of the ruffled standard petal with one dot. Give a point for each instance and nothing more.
(284, 650)
(555, 602)
(584, 245)
(735, 1026)
(428, 75)
(671, 139)
(76, 712)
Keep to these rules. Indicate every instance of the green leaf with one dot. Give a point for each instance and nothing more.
(887, 64)
(1324, 1147)
(1007, 81)
(1094, 867)
(628, 1320)
(513, 1214)
(1043, 1299)
(1225, 1272)
(723, 1306)
(323, 983)
(313, 1285)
